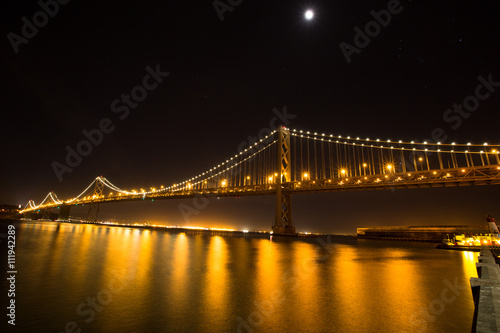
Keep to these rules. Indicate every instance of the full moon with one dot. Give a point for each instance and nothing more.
(309, 14)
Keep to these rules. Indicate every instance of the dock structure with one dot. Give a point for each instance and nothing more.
(420, 233)
(486, 292)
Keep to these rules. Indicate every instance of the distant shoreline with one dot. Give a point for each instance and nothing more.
(195, 230)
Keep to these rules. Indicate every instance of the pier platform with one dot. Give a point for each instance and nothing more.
(420, 233)
(486, 292)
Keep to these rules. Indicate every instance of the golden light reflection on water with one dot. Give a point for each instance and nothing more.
(469, 261)
(347, 272)
(83, 248)
(383, 285)
(180, 279)
(128, 262)
(305, 270)
(400, 279)
(57, 251)
(186, 282)
(142, 241)
(41, 262)
(216, 287)
(268, 269)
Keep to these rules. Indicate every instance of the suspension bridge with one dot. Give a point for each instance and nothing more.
(290, 161)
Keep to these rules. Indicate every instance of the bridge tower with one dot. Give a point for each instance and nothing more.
(283, 220)
(94, 206)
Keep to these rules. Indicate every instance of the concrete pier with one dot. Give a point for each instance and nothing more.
(486, 293)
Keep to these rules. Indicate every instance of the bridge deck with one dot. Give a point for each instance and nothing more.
(481, 175)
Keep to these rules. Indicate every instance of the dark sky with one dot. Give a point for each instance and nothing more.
(225, 77)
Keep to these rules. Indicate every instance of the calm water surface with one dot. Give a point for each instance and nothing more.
(112, 279)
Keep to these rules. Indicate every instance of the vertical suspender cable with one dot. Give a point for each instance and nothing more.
(323, 159)
(315, 160)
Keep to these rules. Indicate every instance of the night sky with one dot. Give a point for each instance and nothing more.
(224, 79)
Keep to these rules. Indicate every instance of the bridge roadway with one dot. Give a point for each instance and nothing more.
(478, 175)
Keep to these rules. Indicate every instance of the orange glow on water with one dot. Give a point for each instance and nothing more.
(180, 279)
(215, 298)
(269, 279)
(206, 281)
(305, 271)
(469, 262)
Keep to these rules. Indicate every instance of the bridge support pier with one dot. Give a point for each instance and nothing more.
(29, 215)
(93, 212)
(283, 220)
(46, 214)
(64, 213)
